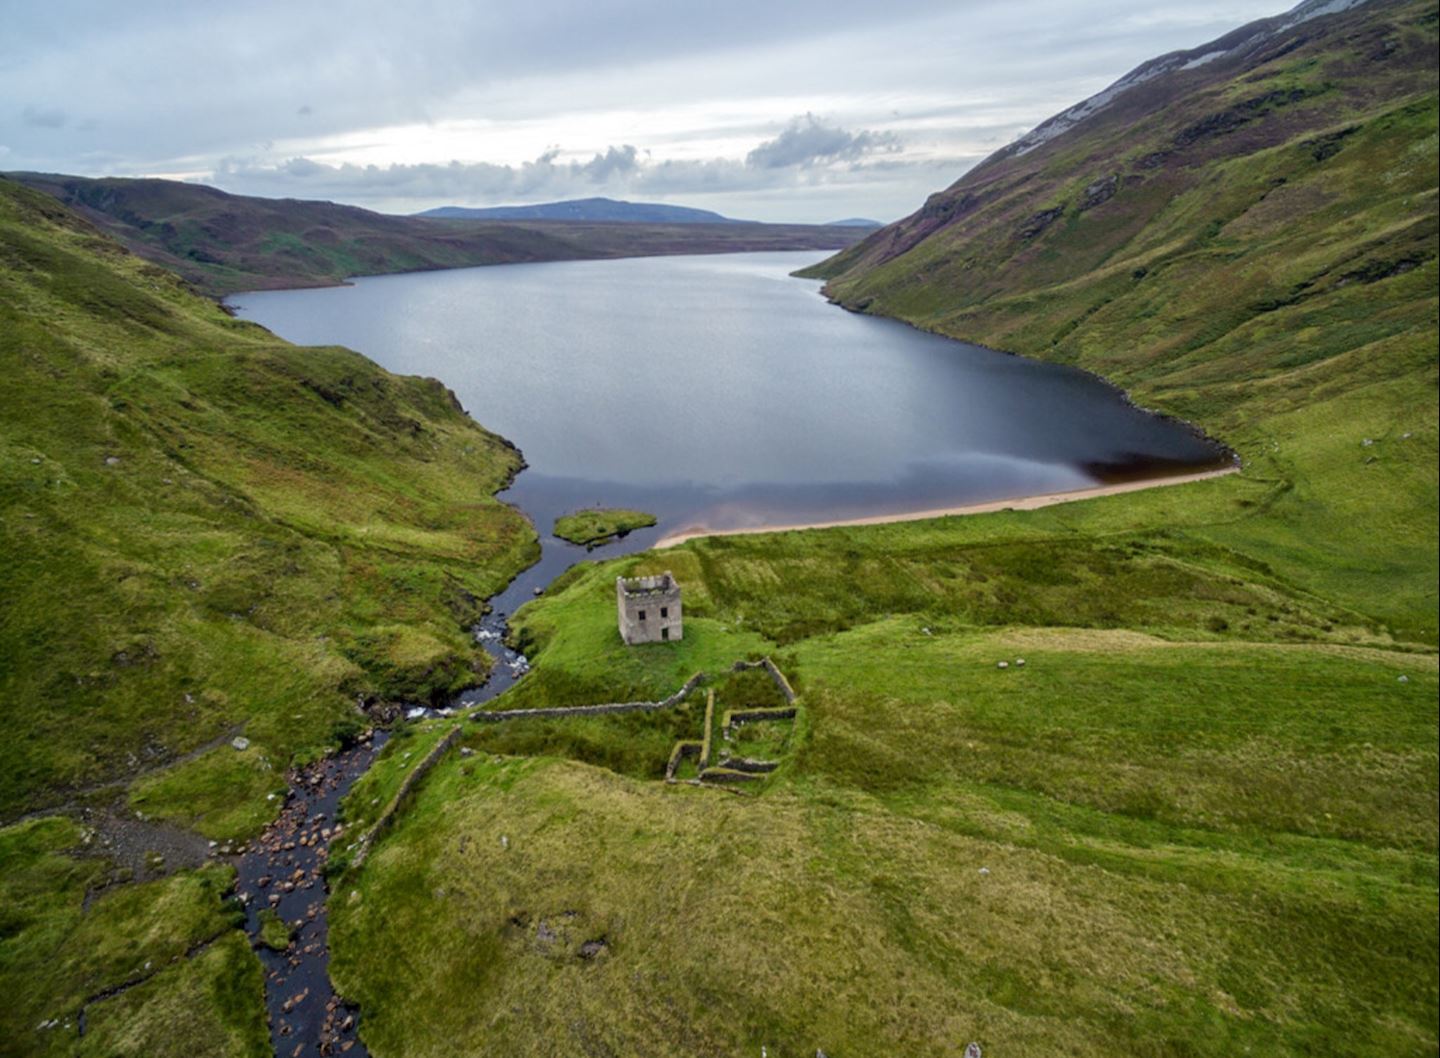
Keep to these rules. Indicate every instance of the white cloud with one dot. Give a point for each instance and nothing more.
(808, 152)
(808, 141)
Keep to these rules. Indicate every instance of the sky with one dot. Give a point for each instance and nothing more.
(776, 110)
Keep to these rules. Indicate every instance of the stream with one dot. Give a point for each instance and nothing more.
(283, 868)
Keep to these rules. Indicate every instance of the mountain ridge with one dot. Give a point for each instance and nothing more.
(224, 243)
(586, 209)
(1231, 243)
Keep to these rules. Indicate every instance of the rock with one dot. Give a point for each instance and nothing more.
(240, 742)
(112, 461)
(539, 591)
(1002, 664)
(1404, 679)
(1019, 663)
(591, 948)
(984, 872)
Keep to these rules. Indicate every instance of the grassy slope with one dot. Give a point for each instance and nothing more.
(1207, 804)
(1274, 283)
(206, 532)
(207, 529)
(202, 992)
(223, 243)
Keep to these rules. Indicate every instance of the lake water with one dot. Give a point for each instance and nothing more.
(720, 391)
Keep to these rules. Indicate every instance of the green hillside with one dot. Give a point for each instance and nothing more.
(223, 243)
(208, 531)
(1249, 244)
(1200, 819)
(208, 534)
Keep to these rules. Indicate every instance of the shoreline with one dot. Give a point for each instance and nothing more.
(1022, 503)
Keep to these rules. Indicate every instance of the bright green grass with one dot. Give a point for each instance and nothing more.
(596, 525)
(1212, 833)
(275, 932)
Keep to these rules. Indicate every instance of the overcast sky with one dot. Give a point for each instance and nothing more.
(763, 109)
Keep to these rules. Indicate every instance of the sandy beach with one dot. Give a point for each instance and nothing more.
(1022, 503)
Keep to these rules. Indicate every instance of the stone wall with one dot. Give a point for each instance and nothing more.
(407, 786)
(758, 767)
(679, 753)
(607, 709)
(709, 729)
(745, 716)
(777, 677)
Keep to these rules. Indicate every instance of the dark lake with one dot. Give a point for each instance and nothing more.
(719, 391)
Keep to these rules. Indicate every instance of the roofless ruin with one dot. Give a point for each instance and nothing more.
(648, 608)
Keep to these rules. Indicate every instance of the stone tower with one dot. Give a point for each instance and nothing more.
(649, 608)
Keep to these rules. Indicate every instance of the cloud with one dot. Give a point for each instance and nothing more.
(807, 153)
(44, 117)
(163, 88)
(808, 141)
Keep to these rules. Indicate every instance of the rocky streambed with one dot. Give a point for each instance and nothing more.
(280, 881)
(281, 873)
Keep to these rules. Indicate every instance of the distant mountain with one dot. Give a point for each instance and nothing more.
(586, 209)
(222, 243)
(854, 222)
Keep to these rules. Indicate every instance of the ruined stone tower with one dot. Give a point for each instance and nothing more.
(649, 608)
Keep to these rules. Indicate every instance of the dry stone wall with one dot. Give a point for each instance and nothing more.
(606, 709)
(407, 786)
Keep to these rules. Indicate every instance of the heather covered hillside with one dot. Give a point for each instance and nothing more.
(1245, 236)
